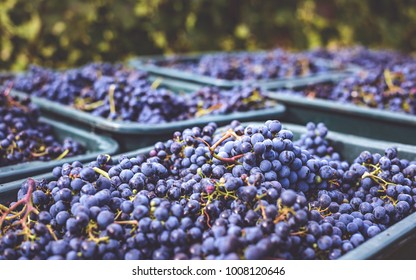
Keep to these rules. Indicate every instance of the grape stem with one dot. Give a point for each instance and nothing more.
(10, 101)
(377, 179)
(203, 112)
(92, 230)
(283, 213)
(91, 106)
(102, 172)
(393, 201)
(111, 91)
(28, 208)
(300, 232)
(49, 227)
(61, 156)
(39, 154)
(205, 213)
(156, 83)
(263, 210)
(228, 134)
(131, 222)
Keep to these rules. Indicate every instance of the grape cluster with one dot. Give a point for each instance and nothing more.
(272, 64)
(116, 93)
(241, 193)
(24, 138)
(315, 143)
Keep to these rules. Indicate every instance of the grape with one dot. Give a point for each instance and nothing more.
(133, 254)
(59, 247)
(105, 218)
(140, 211)
(352, 228)
(253, 253)
(308, 254)
(288, 198)
(357, 239)
(87, 174)
(62, 217)
(324, 243)
(402, 207)
(324, 201)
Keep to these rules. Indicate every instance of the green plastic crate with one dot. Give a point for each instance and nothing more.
(335, 71)
(349, 118)
(95, 145)
(133, 135)
(396, 242)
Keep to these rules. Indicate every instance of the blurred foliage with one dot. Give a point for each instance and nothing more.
(69, 33)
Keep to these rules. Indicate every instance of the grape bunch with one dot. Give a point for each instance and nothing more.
(24, 138)
(117, 93)
(315, 143)
(272, 64)
(245, 192)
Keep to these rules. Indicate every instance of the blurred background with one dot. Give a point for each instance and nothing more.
(70, 33)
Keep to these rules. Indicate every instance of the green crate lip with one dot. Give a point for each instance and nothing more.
(140, 64)
(146, 129)
(104, 145)
(367, 250)
(343, 108)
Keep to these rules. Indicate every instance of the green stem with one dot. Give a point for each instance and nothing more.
(102, 172)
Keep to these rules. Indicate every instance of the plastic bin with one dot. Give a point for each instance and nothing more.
(95, 145)
(133, 135)
(335, 71)
(393, 243)
(349, 118)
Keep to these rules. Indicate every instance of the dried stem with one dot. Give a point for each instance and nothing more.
(28, 208)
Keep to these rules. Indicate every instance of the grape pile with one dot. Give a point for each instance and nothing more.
(387, 80)
(273, 64)
(243, 193)
(365, 58)
(105, 90)
(24, 138)
(116, 93)
(214, 101)
(391, 88)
